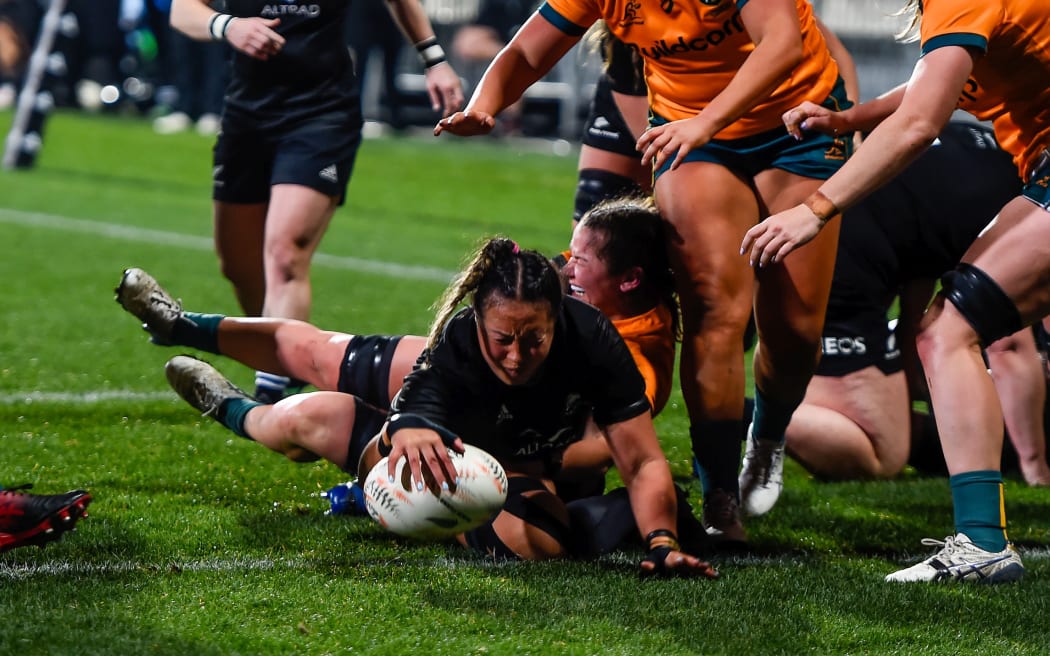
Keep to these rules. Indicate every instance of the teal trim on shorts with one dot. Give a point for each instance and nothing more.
(1037, 189)
(817, 155)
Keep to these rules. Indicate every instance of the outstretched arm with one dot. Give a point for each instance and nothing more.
(925, 107)
(645, 474)
(530, 55)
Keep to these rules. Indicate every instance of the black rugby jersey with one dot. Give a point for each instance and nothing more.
(589, 370)
(920, 223)
(313, 73)
(624, 68)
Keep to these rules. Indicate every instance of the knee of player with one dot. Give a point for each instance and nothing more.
(980, 311)
(726, 322)
(889, 465)
(287, 261)
(947, 333)
(533, 525)
(295, 419)
(299, 454)
(240, 271)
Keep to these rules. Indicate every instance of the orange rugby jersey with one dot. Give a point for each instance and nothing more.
(692, 53)
(1010, 83)
(650, 339)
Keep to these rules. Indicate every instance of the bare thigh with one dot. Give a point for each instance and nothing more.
(297, 217)
(708, 209)
(1015, 251)
(791, 297)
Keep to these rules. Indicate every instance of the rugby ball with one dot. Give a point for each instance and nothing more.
(402, 509)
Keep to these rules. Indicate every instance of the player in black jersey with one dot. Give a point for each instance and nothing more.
(290, 132)
(855, 420)
(609, 165)
(525, 405)
(519, 373)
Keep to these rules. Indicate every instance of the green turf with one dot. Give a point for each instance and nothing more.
(199, 542)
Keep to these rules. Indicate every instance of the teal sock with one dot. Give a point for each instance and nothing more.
(233, 411)
(771, 418)
(979, 510)
(199, 331)
(716, 445)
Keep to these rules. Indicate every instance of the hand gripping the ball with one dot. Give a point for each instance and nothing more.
(415, 492)
(426, 447)
(424, 514)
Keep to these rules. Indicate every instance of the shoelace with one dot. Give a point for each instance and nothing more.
(159, 298)
(764, 472)
(948, 545)
(203, 390)
(774, 457)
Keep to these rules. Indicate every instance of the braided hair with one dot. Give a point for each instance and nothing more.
(501, 269)
(634, 237)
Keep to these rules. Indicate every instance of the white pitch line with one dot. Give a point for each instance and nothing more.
(81, 398)
(23, 571)
(194, 242)
(16, 571)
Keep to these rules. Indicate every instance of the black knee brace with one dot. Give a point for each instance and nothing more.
(596, 185)
(981, 301)
(366, 365)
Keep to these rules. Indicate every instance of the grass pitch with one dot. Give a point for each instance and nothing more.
(199, 542)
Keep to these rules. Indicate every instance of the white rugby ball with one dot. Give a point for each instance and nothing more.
(400, 508)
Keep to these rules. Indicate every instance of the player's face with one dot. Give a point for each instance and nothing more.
(589, 278)
(515, 338)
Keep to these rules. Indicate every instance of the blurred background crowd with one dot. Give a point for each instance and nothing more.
(121, 56)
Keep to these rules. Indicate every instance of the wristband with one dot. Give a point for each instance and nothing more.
(218, 24)
(662, 539)
(430, 52)
(821, 206)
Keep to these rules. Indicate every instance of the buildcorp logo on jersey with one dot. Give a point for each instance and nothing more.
(679, 46)
(291, 8)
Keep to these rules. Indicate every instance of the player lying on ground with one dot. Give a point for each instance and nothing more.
(321, 419)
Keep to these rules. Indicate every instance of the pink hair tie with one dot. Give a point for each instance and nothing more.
(515, 250)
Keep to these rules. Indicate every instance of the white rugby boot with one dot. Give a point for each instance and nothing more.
(961, 560)
(761, 475)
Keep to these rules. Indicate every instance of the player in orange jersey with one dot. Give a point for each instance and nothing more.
(719, 75)
(973, 58)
